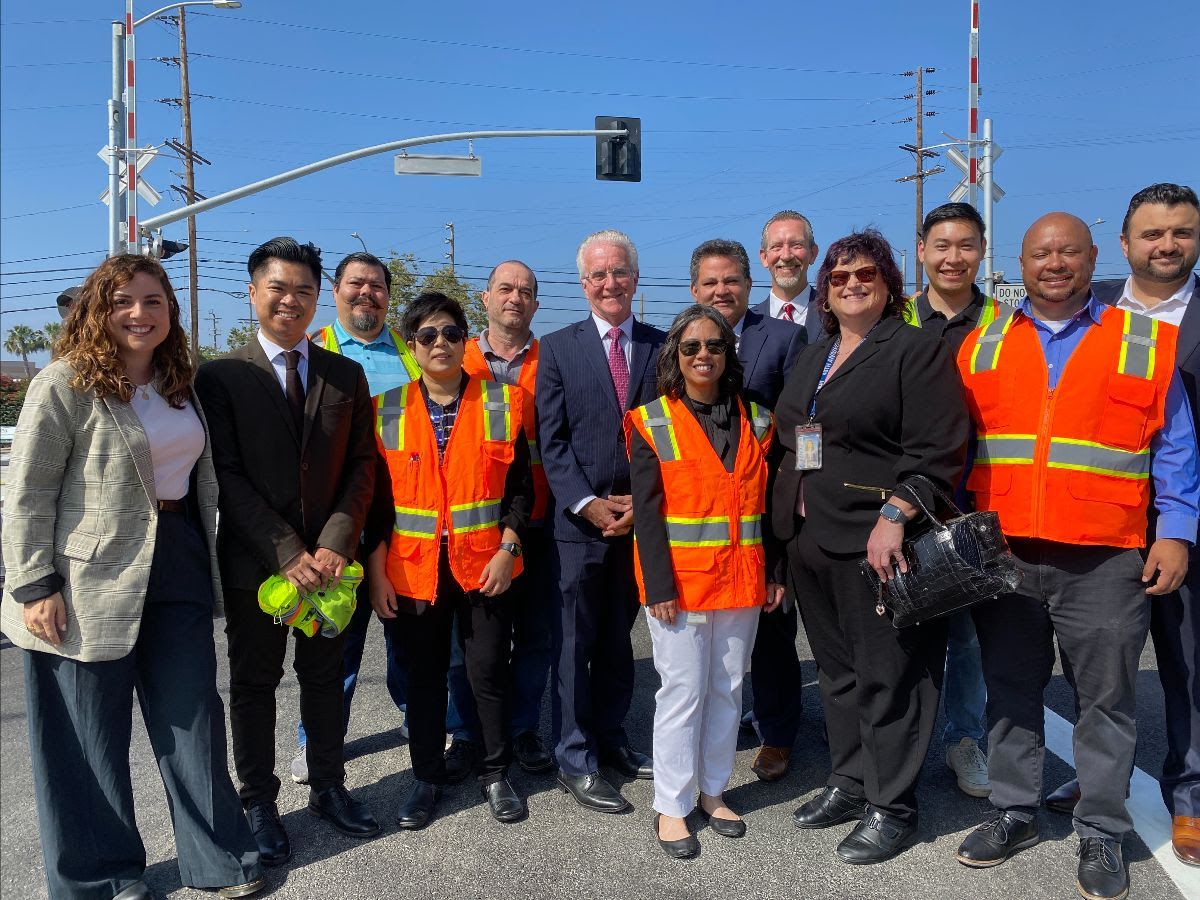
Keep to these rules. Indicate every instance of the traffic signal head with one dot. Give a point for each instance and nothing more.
(619, 158)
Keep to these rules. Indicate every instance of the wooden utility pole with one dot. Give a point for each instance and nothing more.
(919, 152)
(189, 176)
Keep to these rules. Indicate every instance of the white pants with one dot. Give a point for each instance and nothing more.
(699, 706)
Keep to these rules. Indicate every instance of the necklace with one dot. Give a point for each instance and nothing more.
(144, 389)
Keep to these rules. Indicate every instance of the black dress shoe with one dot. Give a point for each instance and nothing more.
(269, 833)
(1064, 797)
(593, 791)
(684, 848)
(461, 760)
(830, 807)
(628, 762)
(876, 839)
(506, 805)
(996, 840)
(349, 816)
(418, 808)
(531, 754)
(732, 828)
(136, 891)
(1102, 872)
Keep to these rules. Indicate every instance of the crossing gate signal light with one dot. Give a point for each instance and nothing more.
(619, 158)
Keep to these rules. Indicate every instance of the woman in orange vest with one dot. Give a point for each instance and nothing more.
(697, 459)
(447, 522)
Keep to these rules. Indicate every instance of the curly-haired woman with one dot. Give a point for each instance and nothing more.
(109, 550)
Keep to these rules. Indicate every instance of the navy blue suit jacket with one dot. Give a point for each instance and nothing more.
(813, 326)
(767, 349)
(580, 425)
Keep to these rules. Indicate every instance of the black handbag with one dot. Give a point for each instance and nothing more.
(957, 563)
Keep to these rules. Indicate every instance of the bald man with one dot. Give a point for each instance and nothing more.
(1078, 410)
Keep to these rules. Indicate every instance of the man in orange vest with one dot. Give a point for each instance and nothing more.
(507, 352)
(1077, 407)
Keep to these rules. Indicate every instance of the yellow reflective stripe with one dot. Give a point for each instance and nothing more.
(535, 455)
(712, 531)
(1005, 449)
(657, 419)
(497, 412)
(986, 354)
(389, 416)
(750, 529)
(329, 339)
(910, 312)
(760, 421)
(406, 355)
(991, 309)
(474, 516)
(1139, 337)
(1089, 456)
(416, 523)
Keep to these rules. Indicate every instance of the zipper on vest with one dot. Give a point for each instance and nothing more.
(882, 492)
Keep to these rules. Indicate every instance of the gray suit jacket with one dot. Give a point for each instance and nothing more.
(80, 501)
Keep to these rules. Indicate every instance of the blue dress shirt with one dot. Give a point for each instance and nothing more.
(380, 359)
(1173, 465)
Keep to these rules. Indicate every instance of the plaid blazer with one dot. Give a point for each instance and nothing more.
(80, 500)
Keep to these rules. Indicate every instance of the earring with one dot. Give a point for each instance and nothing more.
(825, 306)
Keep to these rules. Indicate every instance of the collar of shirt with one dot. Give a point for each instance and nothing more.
(273, 350)
(801, 301)
(1093, 309)
(969, 313)
(486, 349)
(345, 337)
(604, 327)
(1169, 310)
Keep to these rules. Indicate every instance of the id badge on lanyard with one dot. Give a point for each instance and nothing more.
(809, 455)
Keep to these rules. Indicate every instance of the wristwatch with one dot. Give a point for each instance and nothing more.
(893, 513)
(513, 548)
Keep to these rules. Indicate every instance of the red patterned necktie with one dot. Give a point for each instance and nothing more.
(786, 312)
(618, 367)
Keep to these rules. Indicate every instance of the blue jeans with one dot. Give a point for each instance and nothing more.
(963, 689)
(352, 654)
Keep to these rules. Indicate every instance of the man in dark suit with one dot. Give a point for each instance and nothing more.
(589, 375)
(294, 451)
(1160, 238)
(787, 250)
(766, 348)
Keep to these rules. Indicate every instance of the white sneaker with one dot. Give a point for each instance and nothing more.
(969, 763)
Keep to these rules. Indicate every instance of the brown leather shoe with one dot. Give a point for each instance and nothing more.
(771, 763)
(1185, 839)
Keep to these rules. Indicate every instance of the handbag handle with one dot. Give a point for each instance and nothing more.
(937, 523)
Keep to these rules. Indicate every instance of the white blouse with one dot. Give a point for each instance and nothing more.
(176, 440)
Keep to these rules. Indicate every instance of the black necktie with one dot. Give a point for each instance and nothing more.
(293, 388)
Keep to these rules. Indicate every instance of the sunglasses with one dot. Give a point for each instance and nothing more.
(715, 346)
(865, 275)
(426, 336)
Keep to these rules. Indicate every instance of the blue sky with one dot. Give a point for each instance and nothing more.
(745, 110)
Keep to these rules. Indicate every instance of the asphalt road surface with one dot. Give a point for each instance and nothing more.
(562, 850)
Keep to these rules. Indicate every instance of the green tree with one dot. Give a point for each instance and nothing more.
(406, 284)
(23, 340)
(240, 336)
(206, 353)
(52, 331)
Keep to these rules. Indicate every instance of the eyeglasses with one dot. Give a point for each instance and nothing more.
(715, 346)
(601, 275)
(841, 277)
(426, 336)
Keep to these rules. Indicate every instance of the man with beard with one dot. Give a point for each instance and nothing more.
(787, 250)
(1160, 238)
(361, 291)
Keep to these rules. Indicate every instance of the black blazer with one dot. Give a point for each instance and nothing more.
(894, 409)
(283, 492)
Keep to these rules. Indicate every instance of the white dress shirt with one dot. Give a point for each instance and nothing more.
(279, 361)
(626, 339)
(1170, 310)
(801, 305)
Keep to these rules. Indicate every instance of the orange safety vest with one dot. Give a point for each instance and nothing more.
(476, 366)
(326, 337)
(461, 496)
(714, 518)
(1070, 464)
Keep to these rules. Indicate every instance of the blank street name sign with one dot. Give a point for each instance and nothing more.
(408, 164)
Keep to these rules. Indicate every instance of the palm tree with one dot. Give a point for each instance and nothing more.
(23, 340)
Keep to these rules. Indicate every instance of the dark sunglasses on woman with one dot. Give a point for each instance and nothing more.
(426, 336)
(841, 277)
(715, 346)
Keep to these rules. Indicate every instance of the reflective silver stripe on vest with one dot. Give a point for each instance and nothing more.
(1005, 449)
(474, 516)
(535, 455)
(417, 523)
(760, 420)
(1138, 341)
(987, 346)
(389, 418)
(658, 421)
(1088, 456)
(496, 409)
(751, 530)
(697, 532)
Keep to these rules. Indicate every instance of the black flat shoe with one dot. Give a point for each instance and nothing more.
(506, 805)
(419, 807)
(337, 807)
(996, 840)
(1102, 872)
(274, 848)
(830, 807)
(730, 828)
(531, 753)
(461, 760)
(593, 792)
(685, 848)
(876, 839)
(629, 763)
